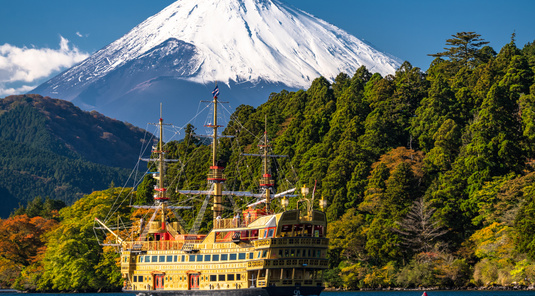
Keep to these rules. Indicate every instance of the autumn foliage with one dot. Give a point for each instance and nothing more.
(22, 245)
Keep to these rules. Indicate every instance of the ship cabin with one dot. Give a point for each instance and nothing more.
(255, 249)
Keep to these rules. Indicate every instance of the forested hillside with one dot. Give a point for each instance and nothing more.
(432, 172)
(50, 148)
(429, 177)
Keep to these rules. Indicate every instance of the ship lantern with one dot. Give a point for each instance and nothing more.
(304, 190)
(323, 203)
(284, 202)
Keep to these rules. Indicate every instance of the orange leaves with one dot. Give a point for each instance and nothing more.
(21, 238)
(401, 154)
(21, 245)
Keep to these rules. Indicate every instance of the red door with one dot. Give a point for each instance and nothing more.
(158, 281)
(194, 281)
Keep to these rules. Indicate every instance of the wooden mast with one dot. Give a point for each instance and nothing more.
(215, 176)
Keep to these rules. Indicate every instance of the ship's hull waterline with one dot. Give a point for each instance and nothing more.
(267, 291)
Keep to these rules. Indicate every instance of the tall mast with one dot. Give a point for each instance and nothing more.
(266, 182)
(215, 176)
(161, 167)
(161, 195)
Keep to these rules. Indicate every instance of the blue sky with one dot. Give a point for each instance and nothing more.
(39, 39)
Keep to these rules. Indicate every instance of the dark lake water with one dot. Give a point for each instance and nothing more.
(367, 293)
(432, 293)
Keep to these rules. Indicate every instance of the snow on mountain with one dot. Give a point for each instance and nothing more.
(262, 43)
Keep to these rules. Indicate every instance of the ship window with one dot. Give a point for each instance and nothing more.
(238, 276)
(298, 253)
(230, 277)
(251, 255)
(286, 253)
(308, 229)
(318, 231)
(199, 258)
(264, 254)
(254, 234)
(169, 259)
(270, 232)
(221, 278)
(175, 258)
(232, 257)
(298, 227)
(141, 258)
(213, 277)
(258, 254)
(162, 259)
(241, 256)
(224, 257)
(191, 258)
(207, 258)
(183, 258)
(292, 253)
(318, 253)
(135, 278)
(280, 253)
(215, 257)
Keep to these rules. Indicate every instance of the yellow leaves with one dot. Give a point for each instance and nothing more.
(401, 154)
(381, 276)
(9, 271)
(353, 274)
(493, 241)
(499, 265)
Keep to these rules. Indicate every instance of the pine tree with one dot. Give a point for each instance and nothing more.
(464, 47)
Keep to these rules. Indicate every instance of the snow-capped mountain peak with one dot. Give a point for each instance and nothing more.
(230, 41)
(245, 40)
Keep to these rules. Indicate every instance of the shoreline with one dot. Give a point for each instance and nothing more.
(474, 288)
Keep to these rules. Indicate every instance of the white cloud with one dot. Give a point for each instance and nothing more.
(7, 91)
(28, 65)
(79, 34)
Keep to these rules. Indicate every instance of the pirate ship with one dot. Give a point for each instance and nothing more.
(255, 252)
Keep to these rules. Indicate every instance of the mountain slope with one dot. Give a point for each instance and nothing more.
(245, 44)
(51, 148)
(63, 128)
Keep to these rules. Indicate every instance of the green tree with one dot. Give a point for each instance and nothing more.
(383, 244)
(433, 111)
(525, 224)
(464, 47)
(74, 260)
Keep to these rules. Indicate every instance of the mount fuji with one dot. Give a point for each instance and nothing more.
(250, 47)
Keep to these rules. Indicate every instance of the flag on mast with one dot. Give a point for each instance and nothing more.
(215, 93)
